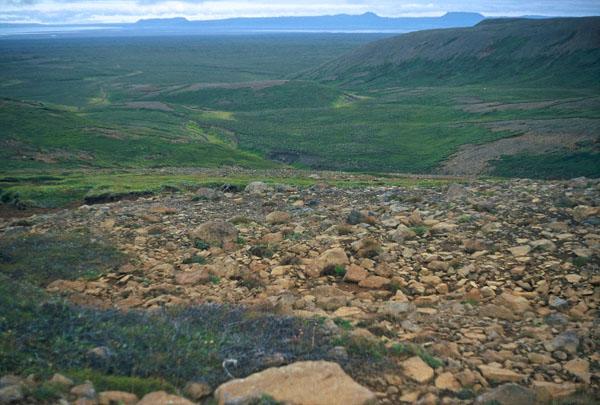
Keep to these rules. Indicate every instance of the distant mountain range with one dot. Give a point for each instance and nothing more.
(368, 22)
(559, 51)
(341, 22)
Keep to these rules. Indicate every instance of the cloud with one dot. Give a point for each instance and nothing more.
(81, 11)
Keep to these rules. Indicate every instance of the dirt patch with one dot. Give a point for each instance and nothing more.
(475, 105)
(112, 197)
(538, 137)
(258, 85)
(106, 132)
(291, 157)
(149, 105)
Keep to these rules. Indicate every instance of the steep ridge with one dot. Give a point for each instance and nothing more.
(561, 51)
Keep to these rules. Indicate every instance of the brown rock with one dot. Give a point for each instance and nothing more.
(192, 277)
(355, 274)
(368, 247)
(546, 391)
(447, 381)
(438, 265)
(117, 398)
(499, 375)
(162, 398)
(278, 217)
(580, 368)
(216, 233)
(473, 245)
(274, 237)
(333, 257)
(61, 380)
(519, 251)
(306, 382)
(197, 390)
(374, 282)
(417, 370)
(85, 390)
(517, 304)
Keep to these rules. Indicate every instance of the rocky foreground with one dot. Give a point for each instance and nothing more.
(499, 281)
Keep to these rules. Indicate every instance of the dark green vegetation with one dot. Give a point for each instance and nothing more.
(57, 256)
(550, 165)
(141, 351)
(403, 104)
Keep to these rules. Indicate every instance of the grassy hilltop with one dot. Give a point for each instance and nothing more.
(551, 53)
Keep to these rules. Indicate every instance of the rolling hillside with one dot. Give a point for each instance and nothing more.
(558, 52)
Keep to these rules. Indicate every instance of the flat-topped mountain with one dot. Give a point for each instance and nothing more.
(556, 51)
(339, 22)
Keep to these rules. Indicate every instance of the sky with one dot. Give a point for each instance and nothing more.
(113, 11)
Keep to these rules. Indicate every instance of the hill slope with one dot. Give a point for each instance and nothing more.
(561, 51)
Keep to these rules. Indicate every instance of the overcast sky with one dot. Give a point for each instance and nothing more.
(81, 11)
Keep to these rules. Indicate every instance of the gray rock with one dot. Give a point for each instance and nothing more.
(205, 193)
(567, 341)
(558, 303)
(215, 232)
(355, 217)
(507, 394)
(10, 379)
(11, 394)
(257, 187)
(556, 318)
(456, 192)
(397, 309)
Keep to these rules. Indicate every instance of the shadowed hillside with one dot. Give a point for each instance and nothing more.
(562, 51)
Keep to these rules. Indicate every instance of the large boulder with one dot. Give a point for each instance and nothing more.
(333, 257)
(216, 233)
(163, 398)
(305, 382)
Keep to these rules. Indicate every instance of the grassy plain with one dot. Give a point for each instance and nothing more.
(79, 105)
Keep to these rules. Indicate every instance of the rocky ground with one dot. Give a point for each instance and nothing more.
(499, 282)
